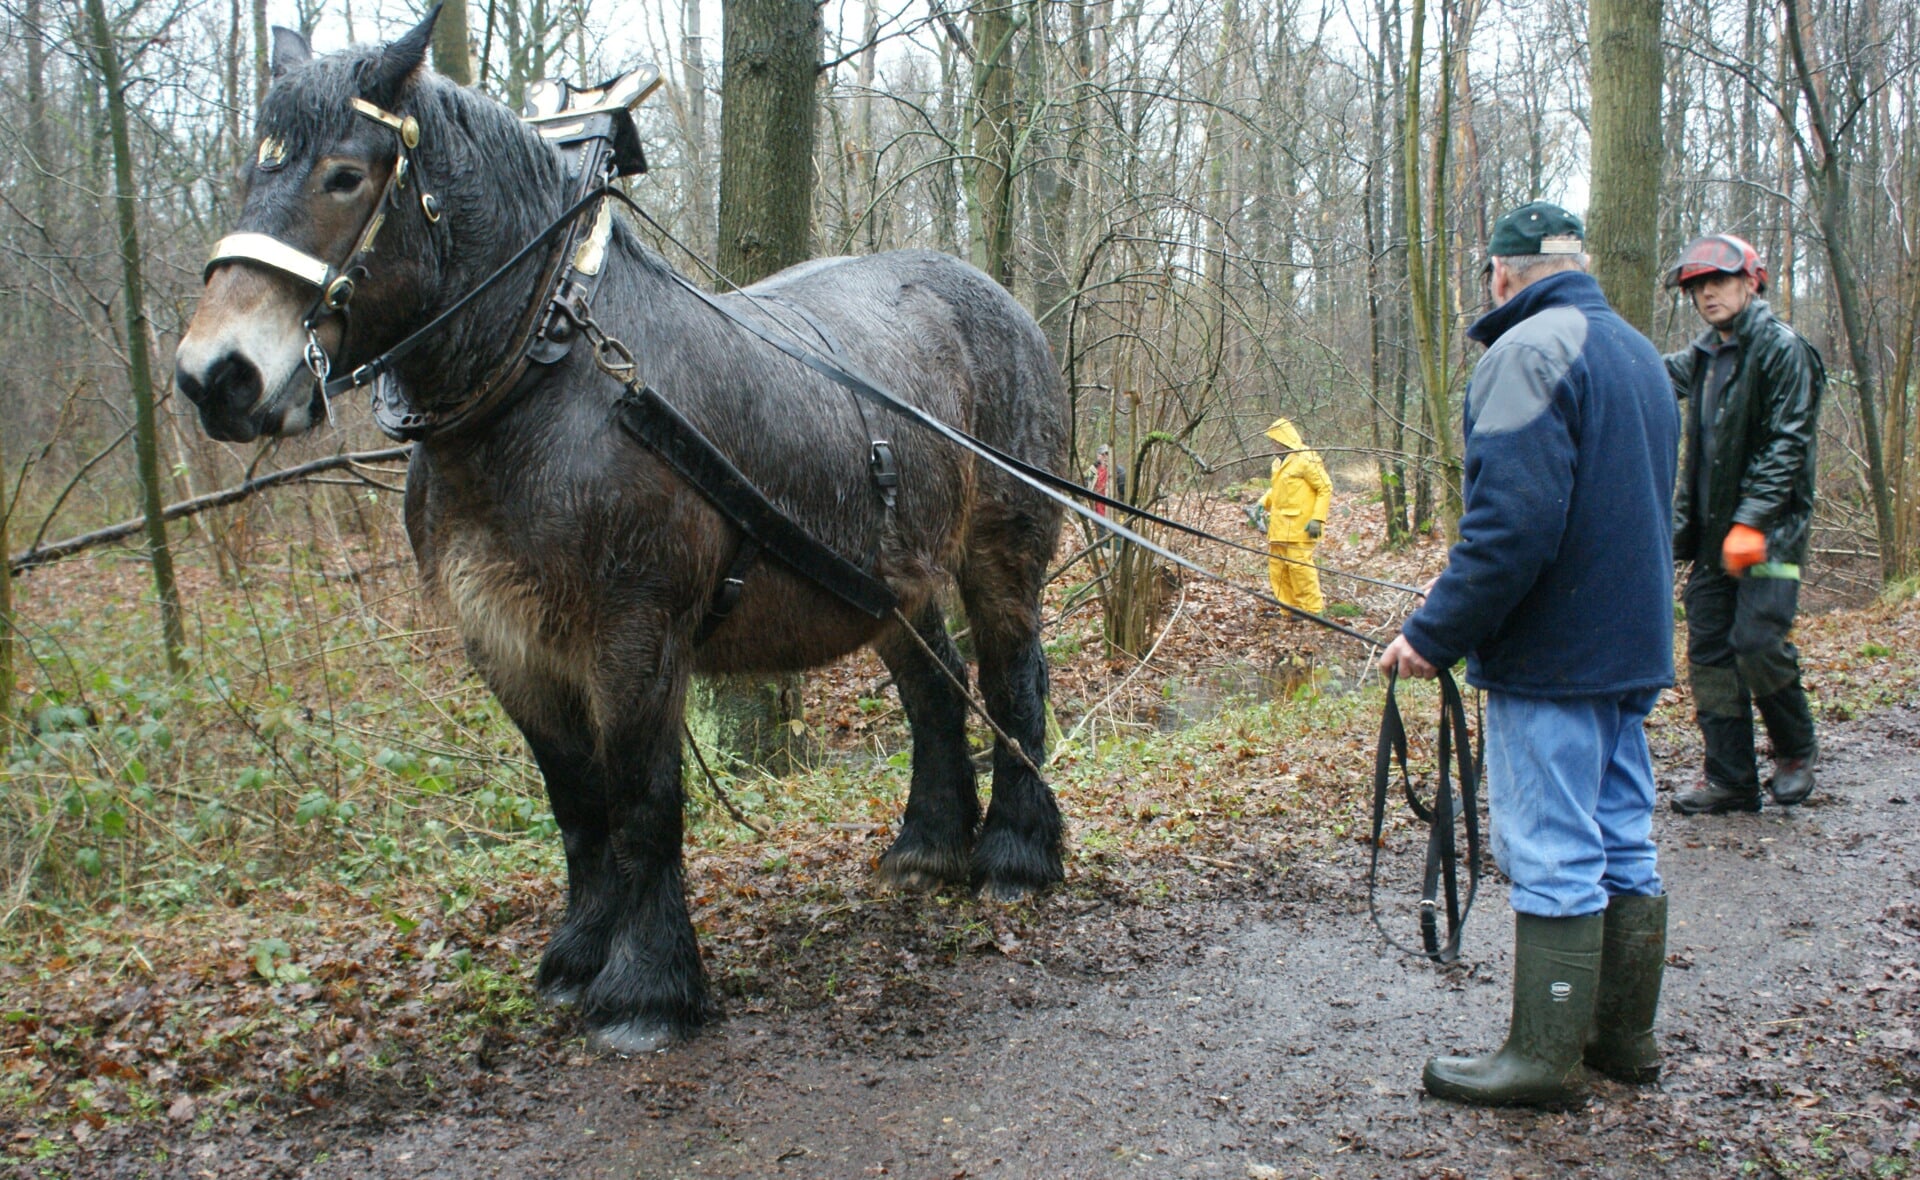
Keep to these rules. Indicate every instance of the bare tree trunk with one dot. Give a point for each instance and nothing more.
(693, 71)
(989, 169)
(6, 595)
(1827, 176)
(1623, 218)
(1429, 346)
(1743, 204)
(1784, 285)
(452, 45)
(1902, 452)
(768, 111)
(236, 37)
(262, 64)
(864, 163)
(1378, 197)
(139, 365)
(36, 129)
(1055, 179)
(1216, 201)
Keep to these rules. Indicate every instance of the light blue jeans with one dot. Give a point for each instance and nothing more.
(1570, 794)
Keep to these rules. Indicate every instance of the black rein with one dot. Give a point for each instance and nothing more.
(1443, 856)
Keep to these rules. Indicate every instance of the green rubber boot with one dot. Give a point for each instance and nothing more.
(1556, 965)
(1633, 957)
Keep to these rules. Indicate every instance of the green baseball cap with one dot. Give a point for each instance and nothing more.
(1539, 227)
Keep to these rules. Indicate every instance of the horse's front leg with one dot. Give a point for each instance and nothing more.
(652, 988)
(578, 949)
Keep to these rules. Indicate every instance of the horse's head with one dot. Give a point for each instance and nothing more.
(332, 252)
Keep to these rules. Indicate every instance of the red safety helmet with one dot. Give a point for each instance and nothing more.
(1717, 254)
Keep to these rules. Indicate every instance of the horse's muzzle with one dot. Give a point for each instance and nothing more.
(227, 395)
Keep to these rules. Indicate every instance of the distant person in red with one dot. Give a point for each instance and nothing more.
(1105, 478)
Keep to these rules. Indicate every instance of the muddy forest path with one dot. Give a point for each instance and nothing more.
(1265, 1032)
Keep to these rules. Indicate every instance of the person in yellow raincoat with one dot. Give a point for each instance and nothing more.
(1296, 507)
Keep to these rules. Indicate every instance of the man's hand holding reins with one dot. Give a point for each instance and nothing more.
(1402, 658)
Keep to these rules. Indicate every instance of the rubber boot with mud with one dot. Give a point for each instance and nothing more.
(1633, 957)
(1556, 965)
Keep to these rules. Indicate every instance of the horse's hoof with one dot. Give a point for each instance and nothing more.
(562, 993)
(1005, 869)
(1007, 891)
(896, 877)
(918, 870)
(631, 1038)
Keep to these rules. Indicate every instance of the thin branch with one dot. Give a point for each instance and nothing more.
(40, 555)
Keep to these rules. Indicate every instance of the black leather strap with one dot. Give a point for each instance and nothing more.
(727, 594)
(656, 425)
(1442, 867)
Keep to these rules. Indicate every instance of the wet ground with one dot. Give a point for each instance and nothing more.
(1252, 1028)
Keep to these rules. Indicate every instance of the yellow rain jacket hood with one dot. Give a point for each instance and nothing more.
(1301, 490)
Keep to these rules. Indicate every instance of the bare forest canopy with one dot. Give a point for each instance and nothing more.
(1206, 202)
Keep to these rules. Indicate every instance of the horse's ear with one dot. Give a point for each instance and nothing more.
(399, 60)
(290, 49)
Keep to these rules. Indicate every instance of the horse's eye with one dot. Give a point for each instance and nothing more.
(344, 180)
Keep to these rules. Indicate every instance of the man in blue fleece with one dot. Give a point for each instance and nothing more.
(1559, 595)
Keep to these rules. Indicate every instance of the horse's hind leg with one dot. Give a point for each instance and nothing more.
(1019, 849)
(943, 803)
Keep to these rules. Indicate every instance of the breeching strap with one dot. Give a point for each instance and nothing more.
(1442, 867)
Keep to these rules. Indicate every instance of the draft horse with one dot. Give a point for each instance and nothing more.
(577, 564)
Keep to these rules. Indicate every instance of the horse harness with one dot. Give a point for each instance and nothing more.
(1441, 874)
(598, 142)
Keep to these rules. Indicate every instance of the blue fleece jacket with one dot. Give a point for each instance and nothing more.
(1562, 581)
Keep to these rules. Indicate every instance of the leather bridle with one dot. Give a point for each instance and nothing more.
(334, 286)
(595, 134)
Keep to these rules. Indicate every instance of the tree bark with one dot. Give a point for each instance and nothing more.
(139, 364)
(990, 167)
(768, 111)
(1429, 345)
(1623, 214)
(6, 603)
(452, 45)
(770, 51)
(693, 73)
(230, 80)
(262, 64)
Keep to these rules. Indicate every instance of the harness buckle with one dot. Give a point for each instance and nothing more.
(885, 472)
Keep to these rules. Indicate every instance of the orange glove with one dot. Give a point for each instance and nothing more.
(1744, 548)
